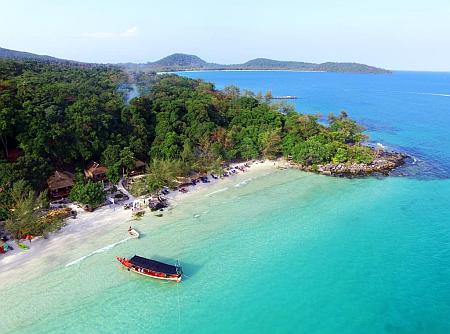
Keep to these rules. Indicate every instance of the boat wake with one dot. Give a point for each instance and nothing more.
(100, 250)
(434, 94)
(217, 191)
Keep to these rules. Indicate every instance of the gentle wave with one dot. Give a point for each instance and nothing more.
(100, 250)
(217, 191)
(197, 215)
(243, 183)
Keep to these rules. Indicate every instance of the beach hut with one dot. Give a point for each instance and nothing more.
(95, 171)
(60, 184)
(139, 168)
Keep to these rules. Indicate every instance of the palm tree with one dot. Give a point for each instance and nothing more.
(26, 213)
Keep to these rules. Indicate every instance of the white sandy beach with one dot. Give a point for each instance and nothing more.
(85, 235)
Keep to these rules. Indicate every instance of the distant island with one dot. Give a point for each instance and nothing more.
(184, 62)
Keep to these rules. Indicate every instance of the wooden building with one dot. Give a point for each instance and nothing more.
(138, 169)
(60, 184)
(95, 171)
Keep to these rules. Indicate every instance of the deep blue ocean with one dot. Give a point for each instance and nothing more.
(282, 251)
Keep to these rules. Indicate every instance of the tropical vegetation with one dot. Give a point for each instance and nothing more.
(61, 116)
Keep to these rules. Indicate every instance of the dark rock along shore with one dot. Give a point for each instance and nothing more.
(383, 163)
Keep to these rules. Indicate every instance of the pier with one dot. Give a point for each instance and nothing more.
(284, 97)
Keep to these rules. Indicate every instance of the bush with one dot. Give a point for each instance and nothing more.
(138, 188)
(90, 193)
(313, 151)
(360, 154)
(340, 156)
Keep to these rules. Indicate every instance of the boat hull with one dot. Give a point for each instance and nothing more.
(134, 233)
(149, 273)
(174, 279)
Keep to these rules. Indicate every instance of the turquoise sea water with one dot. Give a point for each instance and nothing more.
(282, 251)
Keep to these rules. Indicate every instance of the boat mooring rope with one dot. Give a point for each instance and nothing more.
(179, 308)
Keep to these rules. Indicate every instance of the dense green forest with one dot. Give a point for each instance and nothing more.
(61, 116)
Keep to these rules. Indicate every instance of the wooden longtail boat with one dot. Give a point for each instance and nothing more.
(133, 233)
(151, 268)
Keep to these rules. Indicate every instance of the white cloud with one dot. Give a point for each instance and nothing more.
(129, 33)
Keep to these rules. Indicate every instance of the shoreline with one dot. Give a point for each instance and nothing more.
(237, 70)
(62, 247)
(83, 234)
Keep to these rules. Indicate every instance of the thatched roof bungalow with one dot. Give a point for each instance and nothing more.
(95, 171)
(139, 168)
(60, 184)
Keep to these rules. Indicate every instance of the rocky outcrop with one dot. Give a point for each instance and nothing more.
(383, 163)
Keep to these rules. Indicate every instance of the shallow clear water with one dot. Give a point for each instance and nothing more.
(282, 252)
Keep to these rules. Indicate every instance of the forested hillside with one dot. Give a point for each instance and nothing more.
(20, 55)
(60, 117)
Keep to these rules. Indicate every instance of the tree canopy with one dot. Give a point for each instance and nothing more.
(62, 116)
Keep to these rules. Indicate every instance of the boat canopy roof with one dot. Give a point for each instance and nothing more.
(153, 265)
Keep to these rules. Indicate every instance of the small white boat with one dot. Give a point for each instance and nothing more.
(133, 233)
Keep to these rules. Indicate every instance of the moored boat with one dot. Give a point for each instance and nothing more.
(133, 233)
(151, 268)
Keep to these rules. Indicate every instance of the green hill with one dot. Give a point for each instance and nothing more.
(21, 55)
(186, 62)
(276, 64)
(181, 60)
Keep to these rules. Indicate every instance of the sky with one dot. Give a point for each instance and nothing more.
(394, 34)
